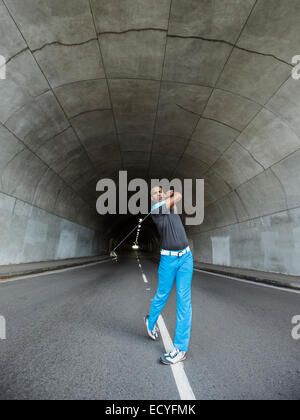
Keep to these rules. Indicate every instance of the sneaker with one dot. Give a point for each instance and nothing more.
(152, 334)
(175, 356)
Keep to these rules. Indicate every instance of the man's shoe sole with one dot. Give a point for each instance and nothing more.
(152, 338)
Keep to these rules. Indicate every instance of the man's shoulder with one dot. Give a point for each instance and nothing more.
(158, 209)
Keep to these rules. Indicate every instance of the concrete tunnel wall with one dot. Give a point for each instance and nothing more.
(161, 88)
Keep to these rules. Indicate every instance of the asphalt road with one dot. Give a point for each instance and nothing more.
(79, 334)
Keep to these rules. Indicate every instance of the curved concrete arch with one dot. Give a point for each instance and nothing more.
(163, 89)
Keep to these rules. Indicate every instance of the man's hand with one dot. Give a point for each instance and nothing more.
(171, 201)
(169, 194)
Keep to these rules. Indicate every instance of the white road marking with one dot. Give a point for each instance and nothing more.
(47, 273)
(181, 380)
(253, 283)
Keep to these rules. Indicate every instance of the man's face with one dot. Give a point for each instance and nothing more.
(157, 194)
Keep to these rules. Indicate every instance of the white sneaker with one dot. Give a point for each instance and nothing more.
(175, 356)
(152, 334)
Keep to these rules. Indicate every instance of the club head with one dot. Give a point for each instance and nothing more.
(114, 256)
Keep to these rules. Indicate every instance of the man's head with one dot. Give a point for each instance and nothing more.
(157, 194)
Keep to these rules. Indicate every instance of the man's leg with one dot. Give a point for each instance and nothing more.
(184, 303)
(166, 276)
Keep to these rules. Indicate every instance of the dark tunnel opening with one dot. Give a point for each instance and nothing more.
(148, 239)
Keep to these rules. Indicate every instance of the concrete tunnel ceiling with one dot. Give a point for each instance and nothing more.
(161, 88)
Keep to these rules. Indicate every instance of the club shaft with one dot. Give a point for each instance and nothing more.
(118, 246)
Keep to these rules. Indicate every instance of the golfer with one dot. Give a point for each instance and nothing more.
(176, 263)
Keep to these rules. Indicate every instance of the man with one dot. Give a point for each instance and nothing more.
(176, 263)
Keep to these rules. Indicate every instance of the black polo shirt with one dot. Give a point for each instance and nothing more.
(170, 228)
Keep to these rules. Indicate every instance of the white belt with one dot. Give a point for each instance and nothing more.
(175, 253)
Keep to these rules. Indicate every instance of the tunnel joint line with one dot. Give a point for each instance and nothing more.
(282, 187)
(132, 30)
(217, 228)
(215, 87)
(52, 138)
(160, 89)
(251, 179)
(26, 147)
(107, 84)
(91, 111)
(187, 110)
(221, 123)
(235, 140)
(59, 104)
(250, 153)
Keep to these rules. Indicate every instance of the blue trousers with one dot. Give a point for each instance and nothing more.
(181, 269)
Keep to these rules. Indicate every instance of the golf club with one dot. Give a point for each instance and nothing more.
(113, 253)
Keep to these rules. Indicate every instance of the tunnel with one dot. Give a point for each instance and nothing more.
(162, 89)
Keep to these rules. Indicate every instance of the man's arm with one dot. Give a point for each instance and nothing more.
(172, 198)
